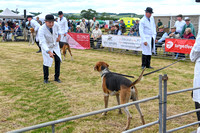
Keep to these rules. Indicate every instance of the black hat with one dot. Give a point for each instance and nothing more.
(60, 13)
(29, 16)
(180, 15)
(149, 10)
(49, 17)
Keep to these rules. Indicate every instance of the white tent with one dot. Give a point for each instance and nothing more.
(8, 14)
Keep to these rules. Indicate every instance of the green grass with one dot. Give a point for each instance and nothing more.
(26, 101)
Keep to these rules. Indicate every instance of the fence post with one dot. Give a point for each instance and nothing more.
(165, 78)
(160, 104)
(53, 128)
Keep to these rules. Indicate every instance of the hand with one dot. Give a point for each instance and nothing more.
(58, 39)
(51, 54)
(65, 34)
(145, 43)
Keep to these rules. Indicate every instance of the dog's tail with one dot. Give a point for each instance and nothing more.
(139, 79)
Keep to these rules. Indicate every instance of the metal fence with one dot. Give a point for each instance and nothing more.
(162, 99)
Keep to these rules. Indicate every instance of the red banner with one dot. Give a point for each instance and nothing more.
(179, 45)
(78, 40)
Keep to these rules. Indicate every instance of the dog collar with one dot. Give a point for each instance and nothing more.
(104, 72)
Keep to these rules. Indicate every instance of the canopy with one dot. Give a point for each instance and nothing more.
(9, 14)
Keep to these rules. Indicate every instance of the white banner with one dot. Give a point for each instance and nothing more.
(122, 42)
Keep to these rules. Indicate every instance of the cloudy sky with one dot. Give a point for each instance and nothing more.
(114, 6)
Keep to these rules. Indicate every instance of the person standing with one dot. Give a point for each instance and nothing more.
(122, 26)
(188, 24)
(147, 30)
(35, 25)
(159, 23)
(49, 37)
(62, 22)
(83, 25)
(195, 57)
(94, 23)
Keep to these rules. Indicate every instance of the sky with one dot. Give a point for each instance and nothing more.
(166, 7)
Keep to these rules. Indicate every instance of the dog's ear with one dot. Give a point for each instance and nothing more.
(96, 67)
(107, 65)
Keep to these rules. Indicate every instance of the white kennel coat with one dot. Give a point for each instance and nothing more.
(195, 57)
(63, 28)
(147, 31)
(48, 43)
(35, 25)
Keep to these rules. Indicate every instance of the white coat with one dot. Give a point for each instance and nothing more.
(63, 28)
(35, 25)
(195, 57)
(48, 43)
(147, 31)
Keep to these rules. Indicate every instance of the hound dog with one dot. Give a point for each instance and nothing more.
(123, 88)
(64, 46)
(32, 36)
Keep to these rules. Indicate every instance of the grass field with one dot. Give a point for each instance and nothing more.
(26, 101)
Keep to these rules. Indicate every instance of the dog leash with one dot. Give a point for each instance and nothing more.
(149, 72)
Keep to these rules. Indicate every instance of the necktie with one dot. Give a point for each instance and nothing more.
(149, 19)
(51, 30)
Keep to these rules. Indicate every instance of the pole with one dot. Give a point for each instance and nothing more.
(165, 78)
(160, 104)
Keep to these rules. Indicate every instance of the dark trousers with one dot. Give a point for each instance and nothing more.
(38, 44)
(57, 68)
(197, 106)
(146, 59)
(98, 40)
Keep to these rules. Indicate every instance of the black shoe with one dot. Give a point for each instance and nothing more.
(38, 51)
(46, 81)
(57, 80)
(150, 67)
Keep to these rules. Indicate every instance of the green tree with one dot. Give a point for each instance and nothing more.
(1, 11)
(35, 13)
(16, 11)
(88, 14)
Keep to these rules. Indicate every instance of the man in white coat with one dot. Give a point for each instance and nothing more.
(62, 22)
(35, 25)
(195, 57)
(147, 30)
(49, 37)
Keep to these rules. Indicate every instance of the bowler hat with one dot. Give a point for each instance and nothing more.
(29, 16)
(60, 13)
(149, 10)
(49, 17)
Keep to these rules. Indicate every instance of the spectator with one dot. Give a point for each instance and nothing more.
(188, 25)
(136, 27)
(6, 31)
(147, 31)
(122, 26)
(94, 23)
(69, 24)
(78, 29)
(88, 26)
(112, 30)
(74, 26)
(3, 23)
(195, 57)
(171, 34)
(160, 38)
(96, 36)
(56, 19)
(17, 31)
(83, 25)
(117, 31)
(179, 24)
(186, 35)
(132, 33)
(38, 20)
(159, 23)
